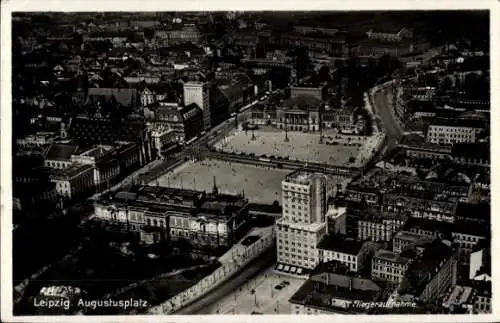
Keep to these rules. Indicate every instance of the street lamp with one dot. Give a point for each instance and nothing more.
(286, 130)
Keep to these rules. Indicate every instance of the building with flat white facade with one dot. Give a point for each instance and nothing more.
(156, 213)
(162, 136)
(303, 223)
(389, 266)
(73, 181)
(379, 226)
(198, 92)
(452, 131)
(343, 249)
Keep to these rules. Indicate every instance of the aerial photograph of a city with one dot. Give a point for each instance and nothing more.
(251, 162)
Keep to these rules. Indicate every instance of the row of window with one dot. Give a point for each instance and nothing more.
(298, 244)
(386, 269)
(447, 129)
(388, 277)
(297, 250)
(339, 256)
(303, 239)
(292, 230)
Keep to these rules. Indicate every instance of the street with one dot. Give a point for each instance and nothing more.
(202, 305)
(266, 293)
(383, 107)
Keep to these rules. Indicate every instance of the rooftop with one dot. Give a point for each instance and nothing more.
(454, 122)
(101, 131)
(374, 215)
(472, 150)
(418, 142)
(425, 267)
(428, 225)
(479, 211)
(61, 152)
(162, 199)
(412, 237)
(391, 256)
(471, 228)
(97, 151)
(341, 244)
(304, 177)
(319, 293)
(69, 172)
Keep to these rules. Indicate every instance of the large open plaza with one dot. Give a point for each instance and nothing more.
(260, 184)
(300, 146)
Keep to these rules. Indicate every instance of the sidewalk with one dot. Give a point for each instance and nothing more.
(265, 299)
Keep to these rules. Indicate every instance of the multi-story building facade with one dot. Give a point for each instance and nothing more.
(36, 140)
(406, 239)
(451, 131)
(58, 155)
(177, 35)
(301, 113)
(153, 93)
(421, 206)
(379, 226)
(73, 181)
(432, 273)
(303, 223)
(483, 299)
(389, 266)
(186, 122)
(345, 250)
(198, 92)
(109, 161)
(205, 219)
(162, 136)
(334, 291)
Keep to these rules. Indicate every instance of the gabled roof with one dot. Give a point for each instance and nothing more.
(60, 152)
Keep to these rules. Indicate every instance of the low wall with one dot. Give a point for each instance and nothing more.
(219, 276)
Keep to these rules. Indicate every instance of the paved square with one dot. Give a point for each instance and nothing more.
(261, 184)
(301, 146)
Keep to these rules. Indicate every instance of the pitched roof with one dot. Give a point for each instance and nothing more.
(99, 131)
(60, 152)
(125, 97)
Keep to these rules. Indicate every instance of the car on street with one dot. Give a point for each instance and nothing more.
(278, 287)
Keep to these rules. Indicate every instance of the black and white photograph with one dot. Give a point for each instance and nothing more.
(248, 162)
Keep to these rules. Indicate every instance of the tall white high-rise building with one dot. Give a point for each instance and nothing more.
(198, 92)
(303, 222)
